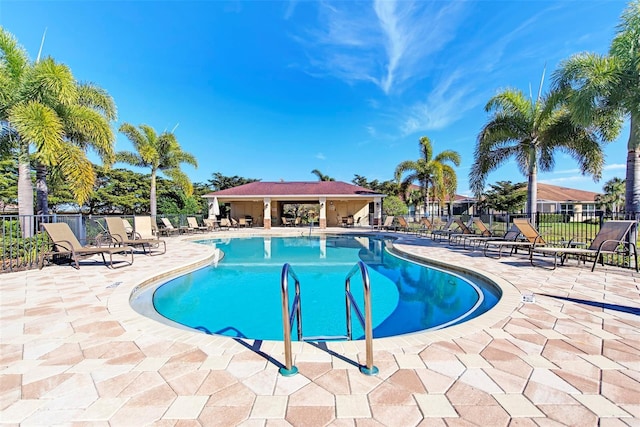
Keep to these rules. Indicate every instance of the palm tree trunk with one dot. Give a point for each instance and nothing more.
(25, 191)
(425, 196)
(42, 190)
(152, 194)
(532, 194)
(632, 189)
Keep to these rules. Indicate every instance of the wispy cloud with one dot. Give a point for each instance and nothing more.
(291, 7)
(320, 156)
(386, 44)
(615, 166)
(443, 106)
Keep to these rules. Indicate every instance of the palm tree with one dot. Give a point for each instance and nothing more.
(604, 88)
(613, 197)
(531, 131)
(41, 104)
(158, 152)
(86, 124)
(429, 170)
(320, 176)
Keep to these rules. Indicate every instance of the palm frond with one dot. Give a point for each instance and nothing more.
(131, 158)
(98, 99)
(77, 171)
(13, 57)
(88, 128)
(38, 124)
(181, 179)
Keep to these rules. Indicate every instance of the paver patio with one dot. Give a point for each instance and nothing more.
(73, 352)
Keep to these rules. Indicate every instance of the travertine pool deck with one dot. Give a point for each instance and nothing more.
(73, 352)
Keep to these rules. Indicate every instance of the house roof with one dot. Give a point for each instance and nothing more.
(564, 194)
(293, 189)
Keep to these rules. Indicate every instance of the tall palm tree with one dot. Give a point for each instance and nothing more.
(531, 131)
(41, 104)
(320, 176)
(159, 153)
(604, 88)
(86, 124)
(429, 170)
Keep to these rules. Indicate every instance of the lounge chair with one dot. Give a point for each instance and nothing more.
(127, 227)
(425, 227)
(234, 223)
(402, 224)
(119, 237)
(610, 240)
(193, 224)
(531, 238)
(444, 229)
(454, 226)
(211, 224)
(463, 231)
(65, 242)
(388, 223)
(479, 224)
(286, 222)
(475, 240)
(168, 228)
(225, 223)
(145, 227)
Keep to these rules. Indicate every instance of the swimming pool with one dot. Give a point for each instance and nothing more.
(240, 297)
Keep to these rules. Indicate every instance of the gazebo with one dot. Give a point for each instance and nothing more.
(326, 203)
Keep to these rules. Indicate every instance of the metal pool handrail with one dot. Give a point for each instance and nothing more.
(366, 320)
(287, 319)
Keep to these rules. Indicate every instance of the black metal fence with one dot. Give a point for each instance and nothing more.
(23, 244)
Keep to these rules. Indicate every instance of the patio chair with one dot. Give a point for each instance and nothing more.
(350, 221)
(482, 227)
(475, 240)
(119, 237)
(234, 223)
(127, 227)
(531, 238)
(444, 229)
(225, 223)
(286, 222)
(425, 227)
(168, 228)
(610, 240)
(211, 224)
(463, 231)
(402, 224)
(453, 226)
(388, 223)
(145, 227)
(193, 224)
(65, 242)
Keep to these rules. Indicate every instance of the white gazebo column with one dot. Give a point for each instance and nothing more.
(323, 212)
(377, 211)
(267, 213)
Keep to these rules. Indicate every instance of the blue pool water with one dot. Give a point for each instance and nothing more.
(241, 297)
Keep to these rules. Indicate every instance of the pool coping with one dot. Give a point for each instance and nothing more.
(119, 305)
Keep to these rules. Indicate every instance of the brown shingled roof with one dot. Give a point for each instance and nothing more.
(564, 194)
(311, 188)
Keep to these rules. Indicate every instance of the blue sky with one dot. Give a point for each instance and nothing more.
(274, 89)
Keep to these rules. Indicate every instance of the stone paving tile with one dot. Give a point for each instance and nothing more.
(73, 352)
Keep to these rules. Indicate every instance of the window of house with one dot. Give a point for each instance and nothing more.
(566, 208)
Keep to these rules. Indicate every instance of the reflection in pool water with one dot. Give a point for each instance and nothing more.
(241, 296)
